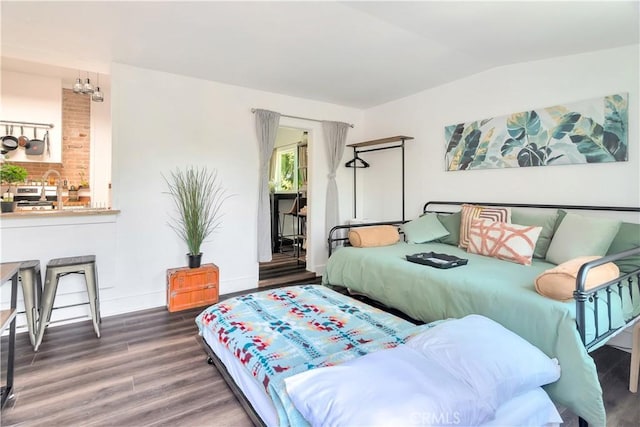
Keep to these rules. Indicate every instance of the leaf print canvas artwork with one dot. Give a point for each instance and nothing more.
(593, 131)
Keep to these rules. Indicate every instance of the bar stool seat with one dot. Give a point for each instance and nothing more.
(58, 267)
(31, 282)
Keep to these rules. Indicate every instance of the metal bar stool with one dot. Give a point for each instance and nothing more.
(31, 282)
(59, 267)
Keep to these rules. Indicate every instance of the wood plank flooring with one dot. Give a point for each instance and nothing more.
(149, 370)
(284, 268)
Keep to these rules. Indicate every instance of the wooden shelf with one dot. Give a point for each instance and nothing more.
(6, 316)
(381, 141)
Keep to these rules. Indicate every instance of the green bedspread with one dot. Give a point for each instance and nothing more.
(500, 290)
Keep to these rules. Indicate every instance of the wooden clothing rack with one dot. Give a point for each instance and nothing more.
(359, 147)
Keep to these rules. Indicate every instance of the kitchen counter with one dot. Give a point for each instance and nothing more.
(48, 234)
(66, 212)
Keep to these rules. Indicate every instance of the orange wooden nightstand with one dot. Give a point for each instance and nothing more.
(192, 287)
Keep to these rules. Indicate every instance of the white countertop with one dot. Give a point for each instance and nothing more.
(79, 211)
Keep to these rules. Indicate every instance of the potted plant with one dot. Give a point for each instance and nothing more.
(10, 174)
(197, 196)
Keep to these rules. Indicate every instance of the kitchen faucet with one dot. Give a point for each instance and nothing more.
(43, 197)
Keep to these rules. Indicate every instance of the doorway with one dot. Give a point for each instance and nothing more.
(288, 185)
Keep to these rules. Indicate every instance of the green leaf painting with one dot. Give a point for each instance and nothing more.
(593, 131)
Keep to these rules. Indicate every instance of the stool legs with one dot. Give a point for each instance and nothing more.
(46, 305)
(92, 289)
(31, 291)
(52, 277)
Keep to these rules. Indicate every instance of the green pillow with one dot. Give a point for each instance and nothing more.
(628, 237)
(452, 223)
(546, 220)
(424, 229)
(561, 214)
(579, 235)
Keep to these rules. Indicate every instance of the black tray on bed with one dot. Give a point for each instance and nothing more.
(437, 260)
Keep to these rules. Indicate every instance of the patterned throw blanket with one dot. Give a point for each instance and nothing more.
(279, 333)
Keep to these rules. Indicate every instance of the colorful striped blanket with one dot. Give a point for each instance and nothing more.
(281, 332)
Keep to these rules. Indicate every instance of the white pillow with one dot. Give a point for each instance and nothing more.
(466, 368)
(395, 387)
(533, 408)
(509, 242)
(486, 355)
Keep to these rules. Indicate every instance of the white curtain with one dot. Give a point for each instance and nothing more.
(335, 135)
(266, 130)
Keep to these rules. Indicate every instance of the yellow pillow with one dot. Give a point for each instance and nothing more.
(380, 235)
(559, 282)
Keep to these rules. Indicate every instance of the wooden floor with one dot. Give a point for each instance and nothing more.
(285, 268)
(149, 370)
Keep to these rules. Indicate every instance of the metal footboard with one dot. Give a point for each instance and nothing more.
(613, 290)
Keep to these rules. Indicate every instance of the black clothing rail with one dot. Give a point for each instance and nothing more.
(357, 149)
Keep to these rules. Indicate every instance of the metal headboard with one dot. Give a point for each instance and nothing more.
(426, 207)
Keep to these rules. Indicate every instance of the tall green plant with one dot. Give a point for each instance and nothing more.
(198, 197)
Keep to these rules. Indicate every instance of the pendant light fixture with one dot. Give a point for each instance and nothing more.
(97, 96)
(77, 87)
(88, 87)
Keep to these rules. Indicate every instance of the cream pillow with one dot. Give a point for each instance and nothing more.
(509, 242)
(380, 235)
(559, 282)
(579, 235)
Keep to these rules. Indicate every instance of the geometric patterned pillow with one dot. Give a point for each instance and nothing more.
(509, 242)
(471, 212)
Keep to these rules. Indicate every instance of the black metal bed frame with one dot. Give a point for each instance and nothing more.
(214, 360)
(581, 295)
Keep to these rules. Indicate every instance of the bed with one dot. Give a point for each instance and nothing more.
(566, 330)
(285, 351)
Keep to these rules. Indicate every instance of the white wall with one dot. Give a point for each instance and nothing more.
(162, 121)
(100, 155)
(498, 92)
(37, 99)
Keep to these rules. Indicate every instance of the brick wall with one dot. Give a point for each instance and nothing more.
(76, 126)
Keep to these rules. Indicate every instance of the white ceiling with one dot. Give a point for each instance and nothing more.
(358, 54)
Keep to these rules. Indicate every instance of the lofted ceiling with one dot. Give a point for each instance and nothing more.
(358, 54)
